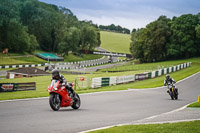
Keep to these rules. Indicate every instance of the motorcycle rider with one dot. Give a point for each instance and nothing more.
(170, 81)
(57, 76)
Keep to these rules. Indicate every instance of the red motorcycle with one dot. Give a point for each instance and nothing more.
(60, 97)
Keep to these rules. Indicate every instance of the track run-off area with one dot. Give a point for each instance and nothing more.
(97, 109)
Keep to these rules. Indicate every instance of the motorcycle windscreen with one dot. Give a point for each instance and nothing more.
(54, 83)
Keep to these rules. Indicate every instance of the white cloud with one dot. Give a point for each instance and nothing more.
(127, 13)
(137, 18)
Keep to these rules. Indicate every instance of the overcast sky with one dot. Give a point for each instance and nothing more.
(127, 13)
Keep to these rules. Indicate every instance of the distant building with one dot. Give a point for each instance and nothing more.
(25, 72)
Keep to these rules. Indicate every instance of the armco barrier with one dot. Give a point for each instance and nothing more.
(142, 76)
(20, 66)
(160, 72)
(164, 71)
(96, 82)
(108, 81)
(8, 87)
(113, 80)
(105, 81)
(46, 64)
(99, 82)
(125, 79)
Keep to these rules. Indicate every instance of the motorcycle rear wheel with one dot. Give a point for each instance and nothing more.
(54, 104)
(176, 96)
(77, 102)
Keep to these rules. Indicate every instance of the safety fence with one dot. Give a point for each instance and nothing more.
(20, 66)
(82, 82)
(9, 87)
(108, 81)
(63, 65)
(77, 66)
(82, 64)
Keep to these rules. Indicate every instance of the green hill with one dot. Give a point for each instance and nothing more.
(16, 59)
(115, 42)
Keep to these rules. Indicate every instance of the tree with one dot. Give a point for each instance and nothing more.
(167, 39)
(149, 43)
(182, 41)
(26, 25)
(89, 37)
(114, 28)
(197, 29)
(70, 41)
(137, 45)
(33, 43)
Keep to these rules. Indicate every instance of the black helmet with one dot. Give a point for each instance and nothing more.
(55, 73)
(167, 76)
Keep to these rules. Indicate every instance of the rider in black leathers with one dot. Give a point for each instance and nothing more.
(57, 76)
(169, 81)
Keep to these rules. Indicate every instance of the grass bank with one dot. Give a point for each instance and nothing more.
(15, 59)
(149, 66)
(115, 42)
(74, 58)
(180, 127)
(194, 105)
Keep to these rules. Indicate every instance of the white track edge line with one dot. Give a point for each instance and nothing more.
(161, 122)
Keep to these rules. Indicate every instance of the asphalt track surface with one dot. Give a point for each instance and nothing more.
(97, 110)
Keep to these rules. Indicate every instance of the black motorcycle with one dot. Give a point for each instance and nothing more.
(173, 92)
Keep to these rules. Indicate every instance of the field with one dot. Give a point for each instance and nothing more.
(115, 42)
(181, 127)
(44, 81)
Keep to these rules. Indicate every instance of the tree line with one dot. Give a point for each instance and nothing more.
(114, 28)
(166, 38)
(27, 25)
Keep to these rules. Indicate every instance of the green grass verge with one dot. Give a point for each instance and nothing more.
(42, 82)
(73, 58)
(149, 66)
(180, 127)
(195, 105)
(13, 60)
(115, 42)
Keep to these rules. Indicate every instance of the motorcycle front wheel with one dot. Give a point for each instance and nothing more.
(77, 102)
(171, 95)
(54, 101)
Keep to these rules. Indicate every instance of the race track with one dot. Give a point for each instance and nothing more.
(97, 110)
